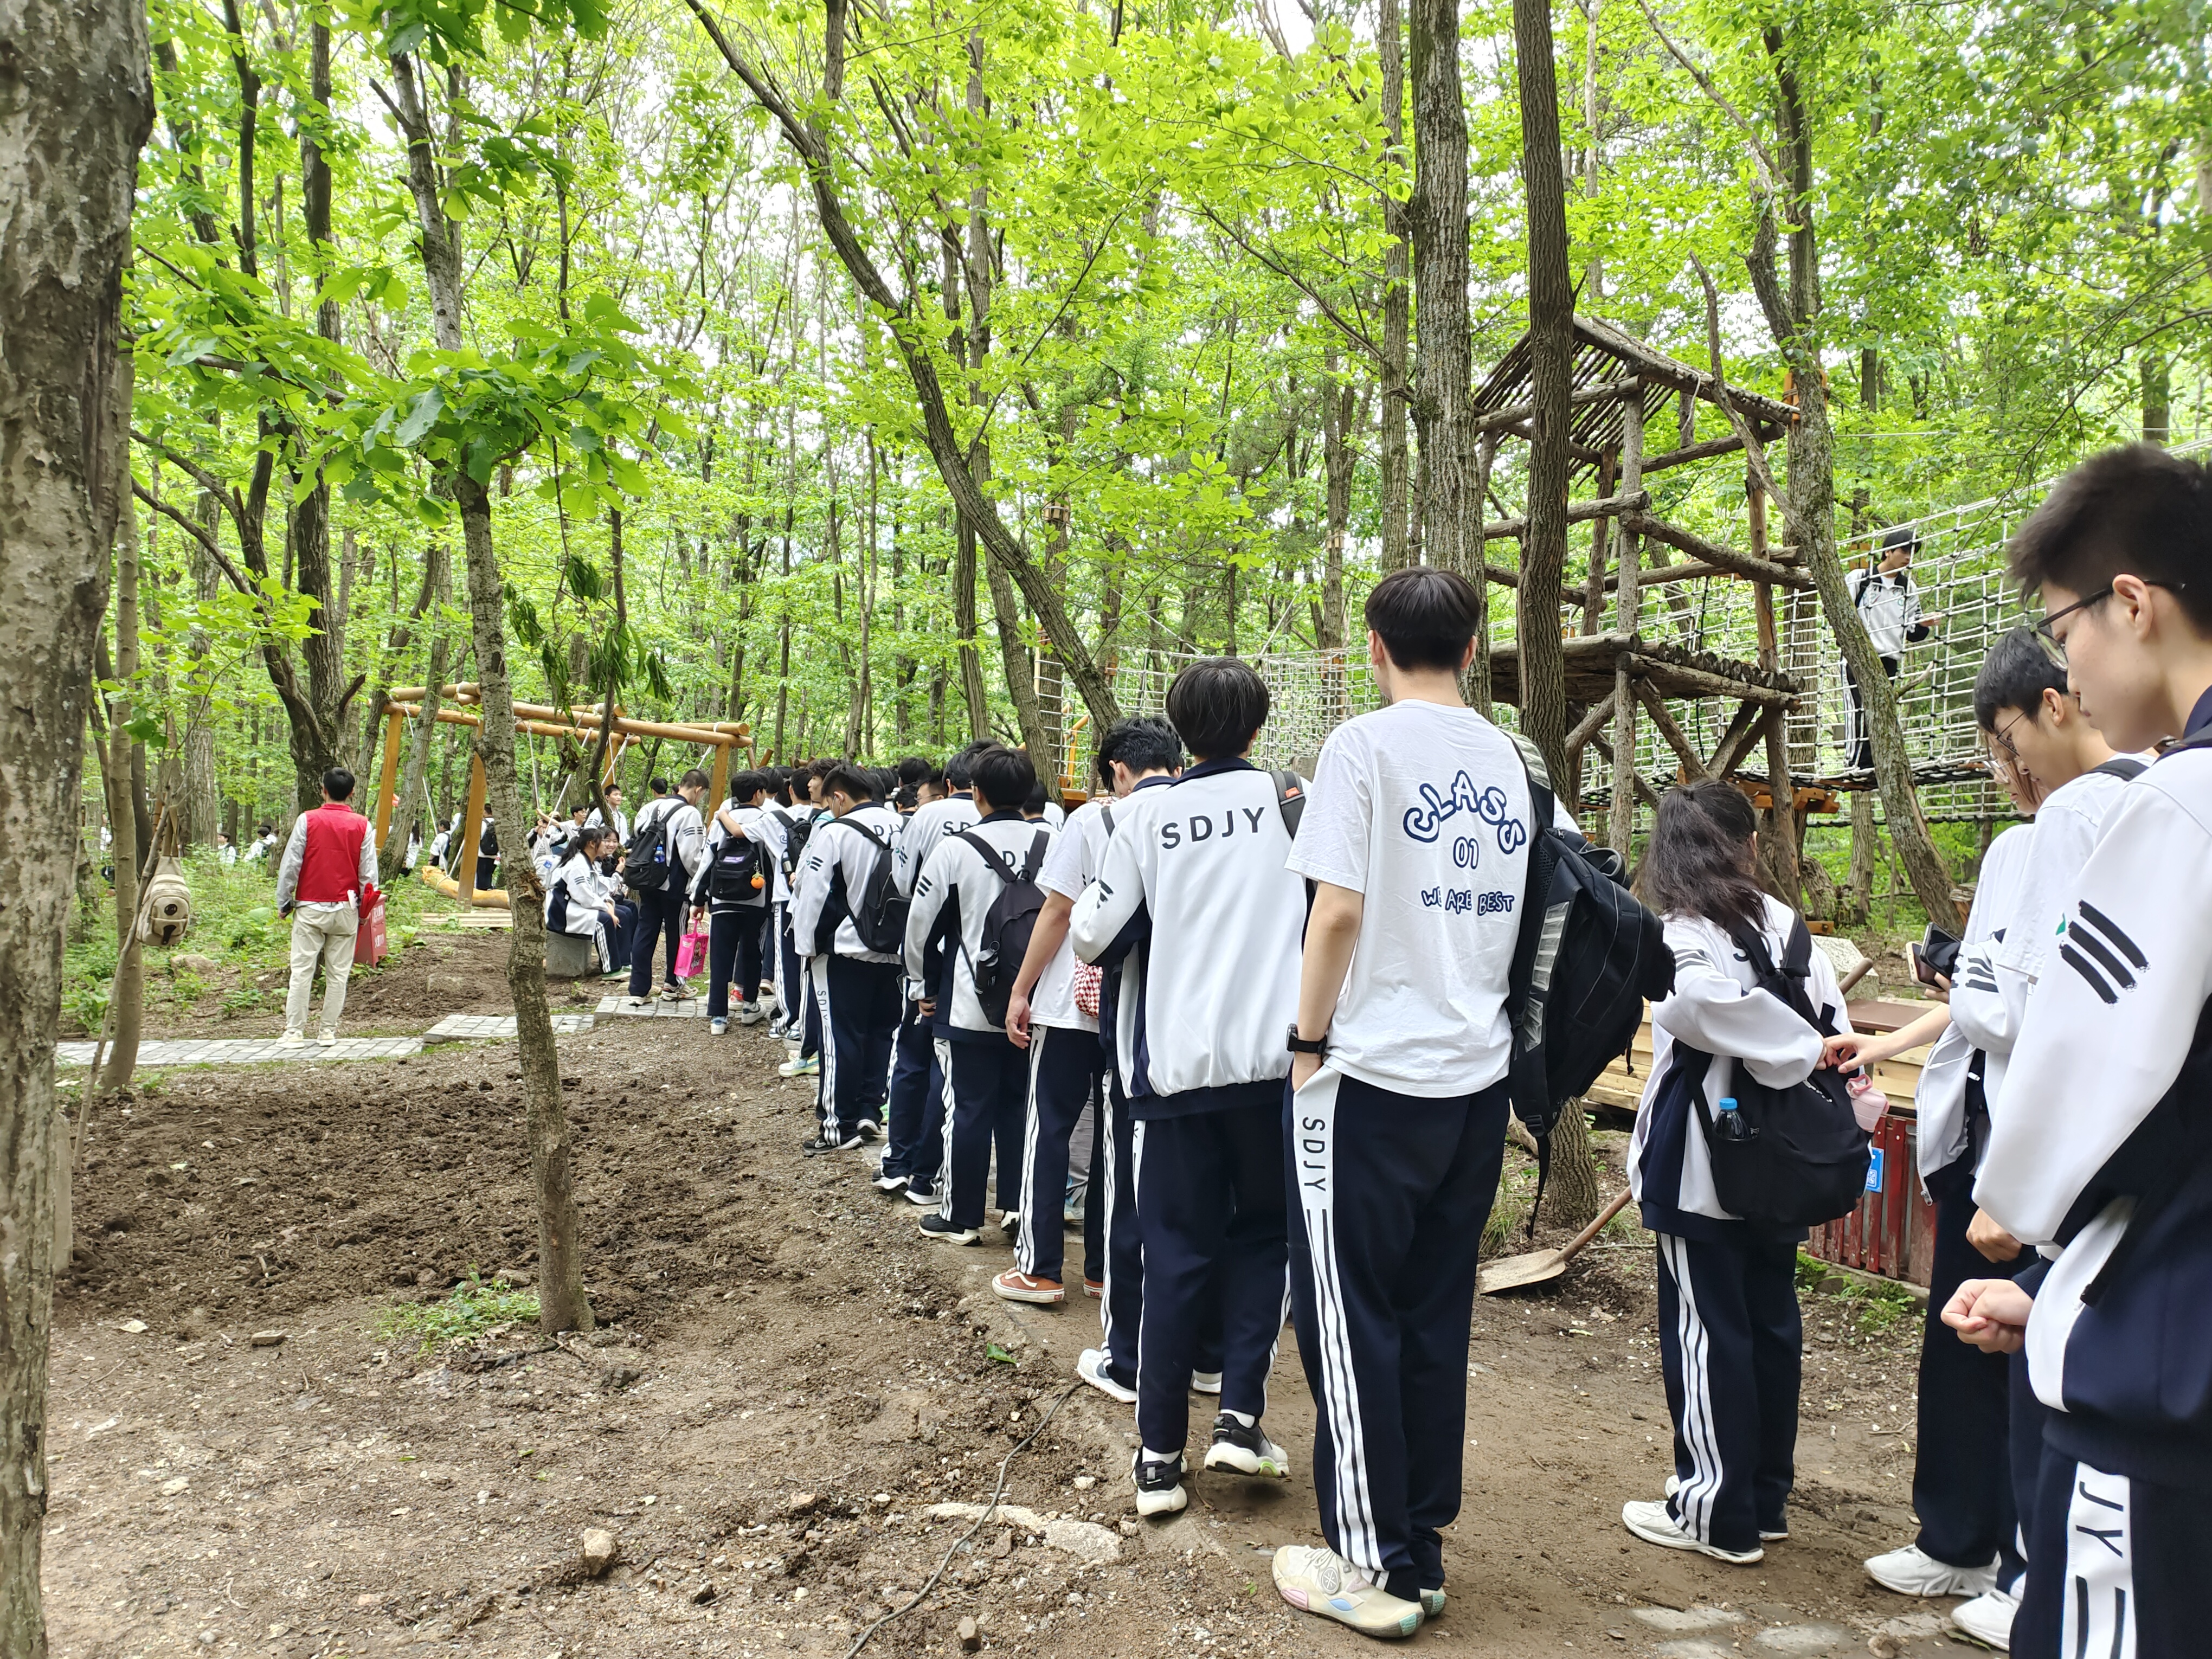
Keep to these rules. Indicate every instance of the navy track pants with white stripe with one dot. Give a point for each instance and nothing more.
(986, 1083)
(2115, 1567)
(1210, 1203)
(1065, 1066)
(1393, 1193)
(860, 1003)
(1121, 1308)
(1731, 1341)
(1962, 1484)
(914, 1135)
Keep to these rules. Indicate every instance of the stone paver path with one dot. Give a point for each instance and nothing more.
(456, 1027)
(690, 1008)
(247, 1051)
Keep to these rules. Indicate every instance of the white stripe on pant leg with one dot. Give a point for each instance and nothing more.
(1025, 1245)
(1106, 1232)
(2099, 1621)
(825, 1092)
(1695, 1496)
(944, 1047)
(1314, 1165)
(1137, 1193)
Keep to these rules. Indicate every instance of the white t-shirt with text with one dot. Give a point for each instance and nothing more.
(1071, 866)
(1424, 809)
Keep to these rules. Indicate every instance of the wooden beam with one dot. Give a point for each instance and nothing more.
(1657, 365)
(1703, 685)
(387, 788)
(1737, 738)
(1655, 706)
(1587, 727)
(1645, 793)
(1603, 507)
(1703, 451)
(1506, 418)
(1726, 558)
(1621, 824)
(1580, 452)
(472, 830)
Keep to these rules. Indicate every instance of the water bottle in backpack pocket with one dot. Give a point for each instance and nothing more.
(1792, 1157)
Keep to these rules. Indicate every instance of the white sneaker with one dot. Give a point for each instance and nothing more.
(1988, 1618)
(326, 1039)
(1649, 1520)
(293, 1040)
(1159, 1484)
(1781, 1535)
(1091, 1368)
(636, 1002)
(1912, 1572)
(1205, 1382)
(1320, 1581)
(1246, 1451)
(749, 1013)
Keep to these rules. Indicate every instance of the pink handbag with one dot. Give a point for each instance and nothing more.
(691, 954)
(1089, 976)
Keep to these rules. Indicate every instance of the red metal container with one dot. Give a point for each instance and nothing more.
(1893, 1231)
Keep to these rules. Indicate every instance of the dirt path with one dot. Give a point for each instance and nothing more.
(795, 1376)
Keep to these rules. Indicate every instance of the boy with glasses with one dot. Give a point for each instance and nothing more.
(2101, 1141)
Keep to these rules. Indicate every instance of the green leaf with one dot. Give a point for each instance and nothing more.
(421, 417)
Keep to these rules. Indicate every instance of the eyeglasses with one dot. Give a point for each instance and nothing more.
(2054, 647)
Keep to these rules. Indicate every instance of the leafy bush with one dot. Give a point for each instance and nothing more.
(473, 1309)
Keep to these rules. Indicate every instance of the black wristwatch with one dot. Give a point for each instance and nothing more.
(1299, 1045)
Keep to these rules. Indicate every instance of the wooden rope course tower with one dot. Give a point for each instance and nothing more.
(1617, 384)
(538, 720)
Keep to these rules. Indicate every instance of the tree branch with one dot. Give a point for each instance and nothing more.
(1766, 164)
(1754, 451)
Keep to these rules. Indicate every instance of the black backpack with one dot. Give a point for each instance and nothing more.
(879, 913)
(735, 876)
(646, 868)
(1007, 924)
(795, 843)
(1802, 1160)
(1586, 959)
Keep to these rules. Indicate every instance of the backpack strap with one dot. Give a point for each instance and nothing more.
(998, 867)
(1543, 809)
(1106, 816)
(1034, 862)
(2125, 768)
(850, 823)
(1289, 800)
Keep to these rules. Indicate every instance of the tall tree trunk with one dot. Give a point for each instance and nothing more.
(561, 1299)
(76, 103)
(202, 796)
(1550, 355)
(126, 992)
(1436, 218)
(437, 582)
(1397, 297)
(1794, 318)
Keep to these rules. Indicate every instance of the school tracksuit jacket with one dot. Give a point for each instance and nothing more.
(2101, 1146)
(914, 1136)
(1962, 1484)
(1194, 898)
(856, 989)
(986, 1077)
(1065, 1065)
(1730, 1338)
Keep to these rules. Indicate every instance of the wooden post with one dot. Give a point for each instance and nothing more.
(721, 777)
(1593, 589)
(1477, 689)
(472, 829)
(1632, 480)
(1622, 828)
(387, 791)
(1762, 593)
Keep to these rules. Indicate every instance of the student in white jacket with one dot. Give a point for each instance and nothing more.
(856, 988)
(579, 899)
(1194, 899)
(2099, 1147)
(1730, 1337)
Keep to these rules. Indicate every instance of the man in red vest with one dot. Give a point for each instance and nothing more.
(328, 864)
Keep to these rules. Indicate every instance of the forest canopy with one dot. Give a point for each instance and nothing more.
(737, 295)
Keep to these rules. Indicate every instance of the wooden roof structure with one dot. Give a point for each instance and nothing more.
(1613, 672)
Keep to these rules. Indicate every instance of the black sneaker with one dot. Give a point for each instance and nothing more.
(951, 1233)
(823, 1143)
(870, 1130)
(1159, 1485)
(1245, 1451)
